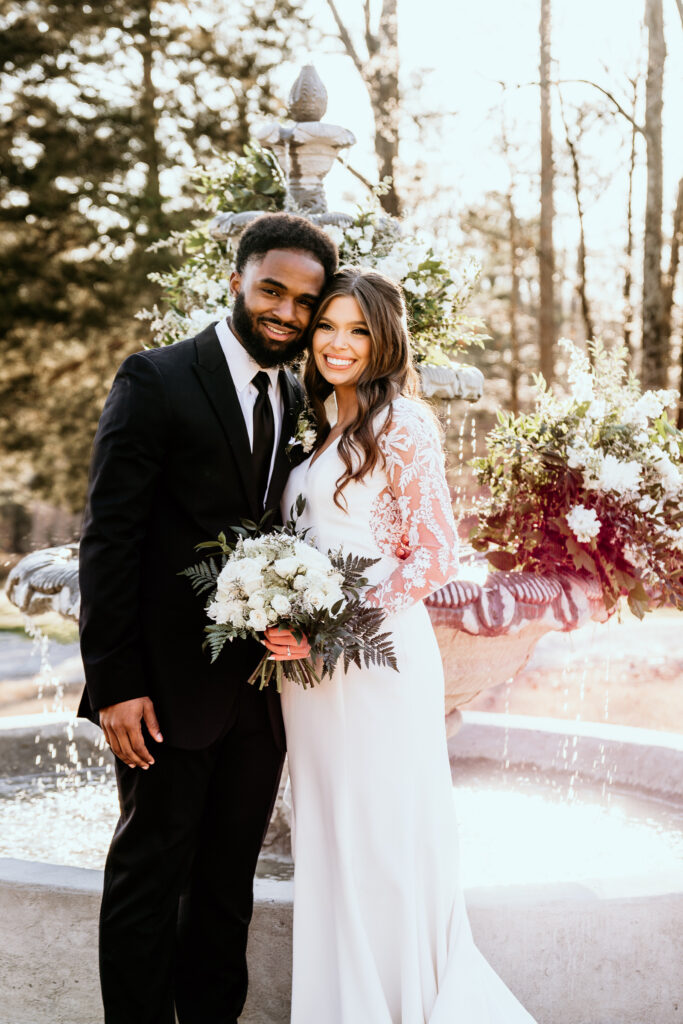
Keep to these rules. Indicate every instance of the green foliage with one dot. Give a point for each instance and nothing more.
(252, 181)
(437, 285)
(604, 456)
(88, 143)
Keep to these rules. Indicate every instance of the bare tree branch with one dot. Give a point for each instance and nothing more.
(357, 174)
(346, 39)
(368, 30)
(679, 5)
(605, 92)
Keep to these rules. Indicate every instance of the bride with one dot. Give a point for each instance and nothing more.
(381, 934)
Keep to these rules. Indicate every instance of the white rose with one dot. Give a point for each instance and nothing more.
(257, 620)
(287, 567)
(281, 604)
(317, 599)
(256, 601)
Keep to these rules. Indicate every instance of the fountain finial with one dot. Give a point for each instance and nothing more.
(308, 96)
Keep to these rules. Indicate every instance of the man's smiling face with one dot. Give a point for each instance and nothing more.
(275, 296)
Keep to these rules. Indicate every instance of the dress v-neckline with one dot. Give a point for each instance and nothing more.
(319, 454)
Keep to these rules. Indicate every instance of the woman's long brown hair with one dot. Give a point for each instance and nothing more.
(389, 373)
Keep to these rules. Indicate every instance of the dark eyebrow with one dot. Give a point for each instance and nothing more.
(279, 284)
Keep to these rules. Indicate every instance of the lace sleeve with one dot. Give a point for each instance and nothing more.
(415, 472)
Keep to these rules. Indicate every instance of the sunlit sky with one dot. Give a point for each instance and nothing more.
(470, 48)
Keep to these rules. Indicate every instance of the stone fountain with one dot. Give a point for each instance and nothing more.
(598, 952)
(510, 610)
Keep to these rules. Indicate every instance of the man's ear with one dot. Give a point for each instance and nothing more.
(235, 283)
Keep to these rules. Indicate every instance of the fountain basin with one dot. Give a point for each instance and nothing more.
(599, 950)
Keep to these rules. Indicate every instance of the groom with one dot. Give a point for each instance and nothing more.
(192, 439)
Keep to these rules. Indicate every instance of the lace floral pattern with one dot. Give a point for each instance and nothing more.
(419, 500)
(386, 524)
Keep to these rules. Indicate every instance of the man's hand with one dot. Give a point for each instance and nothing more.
(121, 727)
(283, 645)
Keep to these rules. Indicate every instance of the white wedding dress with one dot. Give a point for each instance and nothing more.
(381, 934)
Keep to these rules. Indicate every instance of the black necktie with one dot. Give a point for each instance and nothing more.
(263, 433)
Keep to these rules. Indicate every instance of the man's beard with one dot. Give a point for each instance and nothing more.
(266, 353)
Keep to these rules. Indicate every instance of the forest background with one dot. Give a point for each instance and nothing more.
(544, 137)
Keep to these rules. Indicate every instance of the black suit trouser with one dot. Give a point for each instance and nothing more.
(178, 881)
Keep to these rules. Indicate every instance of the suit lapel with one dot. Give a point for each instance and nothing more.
(291, 403)
(214, 376)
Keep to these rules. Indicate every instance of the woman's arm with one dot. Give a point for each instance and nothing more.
(415, 471)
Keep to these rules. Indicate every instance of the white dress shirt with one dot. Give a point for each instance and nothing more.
(243, 368)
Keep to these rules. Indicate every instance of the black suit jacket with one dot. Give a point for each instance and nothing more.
(171, 468)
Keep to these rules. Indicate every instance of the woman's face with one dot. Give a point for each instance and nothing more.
(341, 342)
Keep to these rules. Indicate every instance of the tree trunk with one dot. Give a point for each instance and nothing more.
(151, 199)
(546, 254)
(581, 286)
(382, 83)
(670, 284)
(655, 354)
(514, 302)
(628, 271)
(380, 76)
(669, 279)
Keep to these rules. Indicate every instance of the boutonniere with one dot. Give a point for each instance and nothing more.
(305, 432)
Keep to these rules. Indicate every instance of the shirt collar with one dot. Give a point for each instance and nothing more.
(243, 367)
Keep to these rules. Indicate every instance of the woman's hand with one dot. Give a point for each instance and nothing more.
(284, 646)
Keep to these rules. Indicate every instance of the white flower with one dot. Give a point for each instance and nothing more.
(365, 246)
(670, 476)
(311, 557)
(409, 285)
(576, 457)
(584, 523)
(582, 388)
(676, 537)
(336, 234)
(649, 405)
(281, 604)
(596, 410)
(258, 619)
(308, 439)
(646, 503)
(256, 601)
(617, 476)
(287, 567)
(354, 233)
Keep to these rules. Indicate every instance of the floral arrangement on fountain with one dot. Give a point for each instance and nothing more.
(437, 284)
(590, 480)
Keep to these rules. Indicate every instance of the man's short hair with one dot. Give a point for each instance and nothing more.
(285, 231)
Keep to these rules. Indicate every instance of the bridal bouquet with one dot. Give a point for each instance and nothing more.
(257, 580)
(591, 480)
